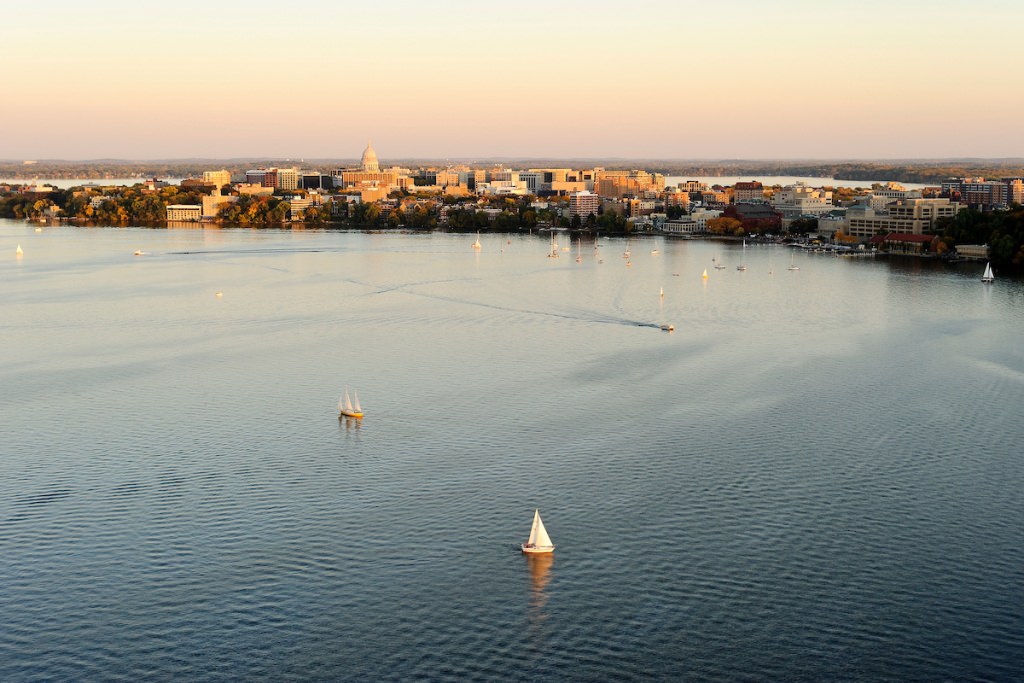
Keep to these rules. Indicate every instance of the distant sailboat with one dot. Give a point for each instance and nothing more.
(476, 245)
(792, 265)
(18, 252)
(743, 261)
(989, 276)
(718, 264)
(705, 274)
(349, 408)
(579, 257)
(539, 541)
(554, 247)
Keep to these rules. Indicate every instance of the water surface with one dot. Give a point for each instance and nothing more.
(817, 476)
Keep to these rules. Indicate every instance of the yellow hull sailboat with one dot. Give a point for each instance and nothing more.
(349, 408)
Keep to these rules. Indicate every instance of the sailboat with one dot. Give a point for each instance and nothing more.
(476, 245)
(554, 247)
(18, 252)
(792, 265)
(539, 541)
(743, 261)
(718, 264)
(349, 408)
(989, 276)
(579, 257)
(705, 274)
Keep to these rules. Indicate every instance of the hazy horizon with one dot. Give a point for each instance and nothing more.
(737, 80)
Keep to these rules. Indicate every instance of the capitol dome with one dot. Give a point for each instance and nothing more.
(369, 161)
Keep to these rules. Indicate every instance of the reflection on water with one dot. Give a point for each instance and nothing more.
(540, 575)
(818, 475)
(539, 566)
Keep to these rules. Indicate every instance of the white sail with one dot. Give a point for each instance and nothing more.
(348, 401)
(356, 401)
(989, 276)
(538, 534)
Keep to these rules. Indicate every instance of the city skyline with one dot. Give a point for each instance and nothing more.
(737, 80)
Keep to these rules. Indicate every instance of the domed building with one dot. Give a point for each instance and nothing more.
(369, 161)
(369, 180)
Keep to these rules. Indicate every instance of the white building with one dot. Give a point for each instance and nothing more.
(881, 196)
(184, 212)
(798, 200)
(914, 216)
(583, 204)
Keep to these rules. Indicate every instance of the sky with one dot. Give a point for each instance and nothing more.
(645, 79)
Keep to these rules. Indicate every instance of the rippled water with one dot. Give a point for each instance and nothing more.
(817, 476)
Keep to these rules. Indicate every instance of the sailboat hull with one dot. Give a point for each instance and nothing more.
(537, 550)
(351, 413)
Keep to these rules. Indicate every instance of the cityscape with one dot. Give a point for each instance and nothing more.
(883, 217)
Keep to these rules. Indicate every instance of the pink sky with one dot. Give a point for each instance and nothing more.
(790, 79)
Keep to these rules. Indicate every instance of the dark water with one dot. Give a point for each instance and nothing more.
(817, 476)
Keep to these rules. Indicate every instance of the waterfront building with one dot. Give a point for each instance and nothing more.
(683, 226)
(755, 217)
(907, 216)
(977, 252)
(213, 203)
(583, 204)
(904, 243)
(184, 212)
(695, 223)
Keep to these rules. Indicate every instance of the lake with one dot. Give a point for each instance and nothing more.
(816, 476)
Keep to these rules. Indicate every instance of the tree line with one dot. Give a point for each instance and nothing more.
(1002, 231)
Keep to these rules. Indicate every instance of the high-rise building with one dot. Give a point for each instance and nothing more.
(583, 204)
(619, 184)
(217, 178)
(978, 191)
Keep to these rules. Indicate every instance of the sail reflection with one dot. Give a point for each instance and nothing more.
(540, 576)
(351, 424)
